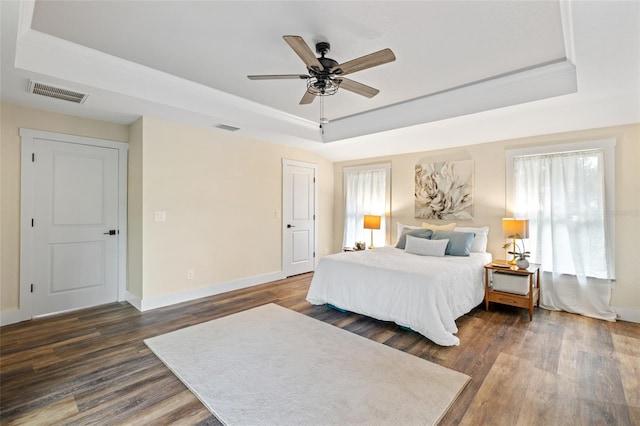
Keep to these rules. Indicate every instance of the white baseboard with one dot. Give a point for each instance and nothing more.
(11, 317)
(627, 314)
(133, 300)
(146, 304)
(15, 316)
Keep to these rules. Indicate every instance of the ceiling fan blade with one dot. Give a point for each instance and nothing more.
(368, 61)
(355, 87)
(303, 50)
(307, 98)
(278, 77)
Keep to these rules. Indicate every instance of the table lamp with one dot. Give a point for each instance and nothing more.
(371, 222)
(515, 228)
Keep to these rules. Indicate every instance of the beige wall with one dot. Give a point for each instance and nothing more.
(220, 192)
(489, 205)
(12, 118)
(196, 176)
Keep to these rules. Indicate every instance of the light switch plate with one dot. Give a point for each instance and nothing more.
(161, 216)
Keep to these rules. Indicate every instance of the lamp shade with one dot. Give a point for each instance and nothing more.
(371, 222)
(512, 227)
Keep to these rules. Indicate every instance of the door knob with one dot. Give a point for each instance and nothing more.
(111, 232)
(290, 226)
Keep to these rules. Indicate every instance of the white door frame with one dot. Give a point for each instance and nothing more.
(25, 310)
(313, 166)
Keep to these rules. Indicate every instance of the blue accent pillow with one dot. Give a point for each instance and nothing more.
(418, 233)
(459, 242)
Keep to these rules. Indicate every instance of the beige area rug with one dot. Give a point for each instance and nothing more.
(273, 366)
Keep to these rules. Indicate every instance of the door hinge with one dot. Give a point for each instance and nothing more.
(31, 288)
(314, 254)
(33, 157)
(32, 222)
(314, 180)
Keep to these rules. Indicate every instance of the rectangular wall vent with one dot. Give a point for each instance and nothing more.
(227, 127)
(48, 90)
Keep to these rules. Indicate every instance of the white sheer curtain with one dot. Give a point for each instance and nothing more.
(366, 192)
(563, 195)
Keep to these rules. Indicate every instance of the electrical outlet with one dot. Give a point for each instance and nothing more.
(189, 274)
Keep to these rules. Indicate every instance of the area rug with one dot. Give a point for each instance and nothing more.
(273, 366)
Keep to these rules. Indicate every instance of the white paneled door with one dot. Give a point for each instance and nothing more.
(298, 217)
(75, 226)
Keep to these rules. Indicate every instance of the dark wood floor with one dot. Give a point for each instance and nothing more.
(92, 367)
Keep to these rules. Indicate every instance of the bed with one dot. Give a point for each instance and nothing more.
(424, 293)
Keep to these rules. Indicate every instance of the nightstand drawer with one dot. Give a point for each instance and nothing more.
(507, 299)
(510, 283)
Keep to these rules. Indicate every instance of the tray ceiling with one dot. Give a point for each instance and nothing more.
(188, 61)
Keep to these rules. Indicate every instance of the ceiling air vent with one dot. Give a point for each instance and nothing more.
(43, 89)
(227, 127)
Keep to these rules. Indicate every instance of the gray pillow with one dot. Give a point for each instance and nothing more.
(418, 233)
(425, 247)
(459, 242)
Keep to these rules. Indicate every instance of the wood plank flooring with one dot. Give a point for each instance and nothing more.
(92, 367)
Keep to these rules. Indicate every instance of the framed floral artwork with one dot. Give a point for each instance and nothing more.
(444, 190)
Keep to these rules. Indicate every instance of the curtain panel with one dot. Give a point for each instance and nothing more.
(365, 194)
(563, 196)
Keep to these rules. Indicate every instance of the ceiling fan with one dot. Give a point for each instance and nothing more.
(327, 75)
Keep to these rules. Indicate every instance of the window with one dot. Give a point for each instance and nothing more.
(367, 191)
(566, 194)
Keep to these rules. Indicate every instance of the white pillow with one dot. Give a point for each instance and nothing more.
(479, 244)
(402, 228)
(424, 247)
(447, 227)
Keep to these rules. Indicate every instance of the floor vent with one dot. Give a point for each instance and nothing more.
(227, 127)
(43, 89)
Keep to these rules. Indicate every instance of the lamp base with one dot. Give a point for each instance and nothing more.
(515, 258)
(371, 247)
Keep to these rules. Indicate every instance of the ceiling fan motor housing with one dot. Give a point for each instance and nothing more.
(321, 82)
(328, 64)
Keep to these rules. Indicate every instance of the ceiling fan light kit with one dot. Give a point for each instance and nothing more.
(325, 75)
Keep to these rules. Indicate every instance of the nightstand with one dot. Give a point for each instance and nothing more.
(518, 287)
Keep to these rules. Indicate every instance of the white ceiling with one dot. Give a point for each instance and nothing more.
(561, 66)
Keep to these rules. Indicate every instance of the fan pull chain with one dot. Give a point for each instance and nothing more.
(322, 119)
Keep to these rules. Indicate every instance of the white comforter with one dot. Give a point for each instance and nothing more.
(423, 293)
